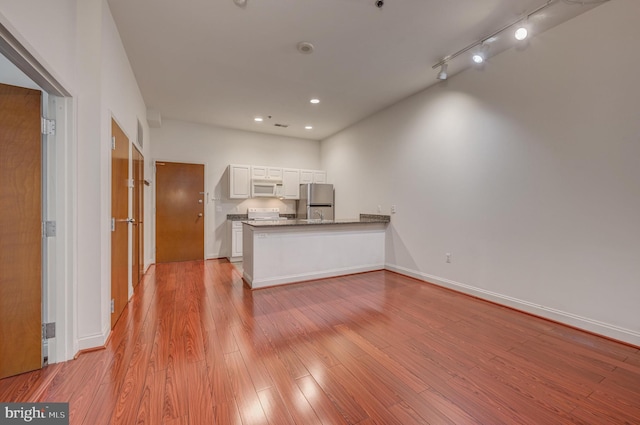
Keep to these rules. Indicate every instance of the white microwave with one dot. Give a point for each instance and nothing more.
(264, 189)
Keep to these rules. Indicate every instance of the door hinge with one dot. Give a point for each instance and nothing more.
(49, 228)
(113, 306)
(113, 143)
(113, 224)
(48, 330)
(48, 127)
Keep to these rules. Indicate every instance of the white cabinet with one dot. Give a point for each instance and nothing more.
(306, 176)
(259, 172)
(290, 183)
(236, 241)
(239, 181)
(288, 180)
(319, 176)
(313, 176)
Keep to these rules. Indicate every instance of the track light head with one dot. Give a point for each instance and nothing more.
(522, 29)
(521, 33)
(442, 75)
(481, 54)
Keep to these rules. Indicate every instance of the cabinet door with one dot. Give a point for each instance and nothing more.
(319, 176)
(258, 172)
(274, 173)
(291, 183)
(236, 242)
(239, 181)
(306, 176)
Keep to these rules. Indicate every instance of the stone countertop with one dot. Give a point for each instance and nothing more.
(245, 217)
(364, 218)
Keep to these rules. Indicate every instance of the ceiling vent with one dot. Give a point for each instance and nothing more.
(281, 125)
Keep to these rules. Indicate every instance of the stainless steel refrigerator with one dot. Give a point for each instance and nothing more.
(316, 201)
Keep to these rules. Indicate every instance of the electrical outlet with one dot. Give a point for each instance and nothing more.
(448, 257)
(379, 208)
(393, 209)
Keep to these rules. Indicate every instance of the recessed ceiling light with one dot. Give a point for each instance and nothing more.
(308, 127)
(258, 119)
(314, 100)
(477, 58)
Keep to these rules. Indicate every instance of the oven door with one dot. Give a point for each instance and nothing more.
(263, 190)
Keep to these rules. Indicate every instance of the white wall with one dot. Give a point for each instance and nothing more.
(48, 30)
(216, 148)
(122, 101)
(526, 172)
(77, 42)
(11, 75)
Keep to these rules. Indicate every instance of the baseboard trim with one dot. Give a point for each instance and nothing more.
(584, 323)
(92, 341)
(89, 350)
(303, 277)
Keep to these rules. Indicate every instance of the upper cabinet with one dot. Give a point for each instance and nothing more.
(313, 176)
(290, 183)
(259, 172)
(239, 181)
(287, 180)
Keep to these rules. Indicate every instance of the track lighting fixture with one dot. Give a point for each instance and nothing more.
(442, 75)
(240, 3)
(479, 47)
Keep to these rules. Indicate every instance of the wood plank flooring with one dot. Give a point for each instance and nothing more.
(195, 346)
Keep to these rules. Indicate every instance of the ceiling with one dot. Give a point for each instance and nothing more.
(213, 62)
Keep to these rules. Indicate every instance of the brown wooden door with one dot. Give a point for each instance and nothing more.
(179, 212)
(20, 231)
(137, 266)
(120, 225)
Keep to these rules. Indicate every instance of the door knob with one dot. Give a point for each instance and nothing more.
(131, 220)
(199, 214)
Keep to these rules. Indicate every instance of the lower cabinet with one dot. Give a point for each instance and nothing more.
(236, 241)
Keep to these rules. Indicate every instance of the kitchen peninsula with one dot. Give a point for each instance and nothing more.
(287, 251)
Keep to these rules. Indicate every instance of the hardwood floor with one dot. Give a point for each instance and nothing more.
(195, 346)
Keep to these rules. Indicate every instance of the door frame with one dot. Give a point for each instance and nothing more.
(138, 215)
(60, 166)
